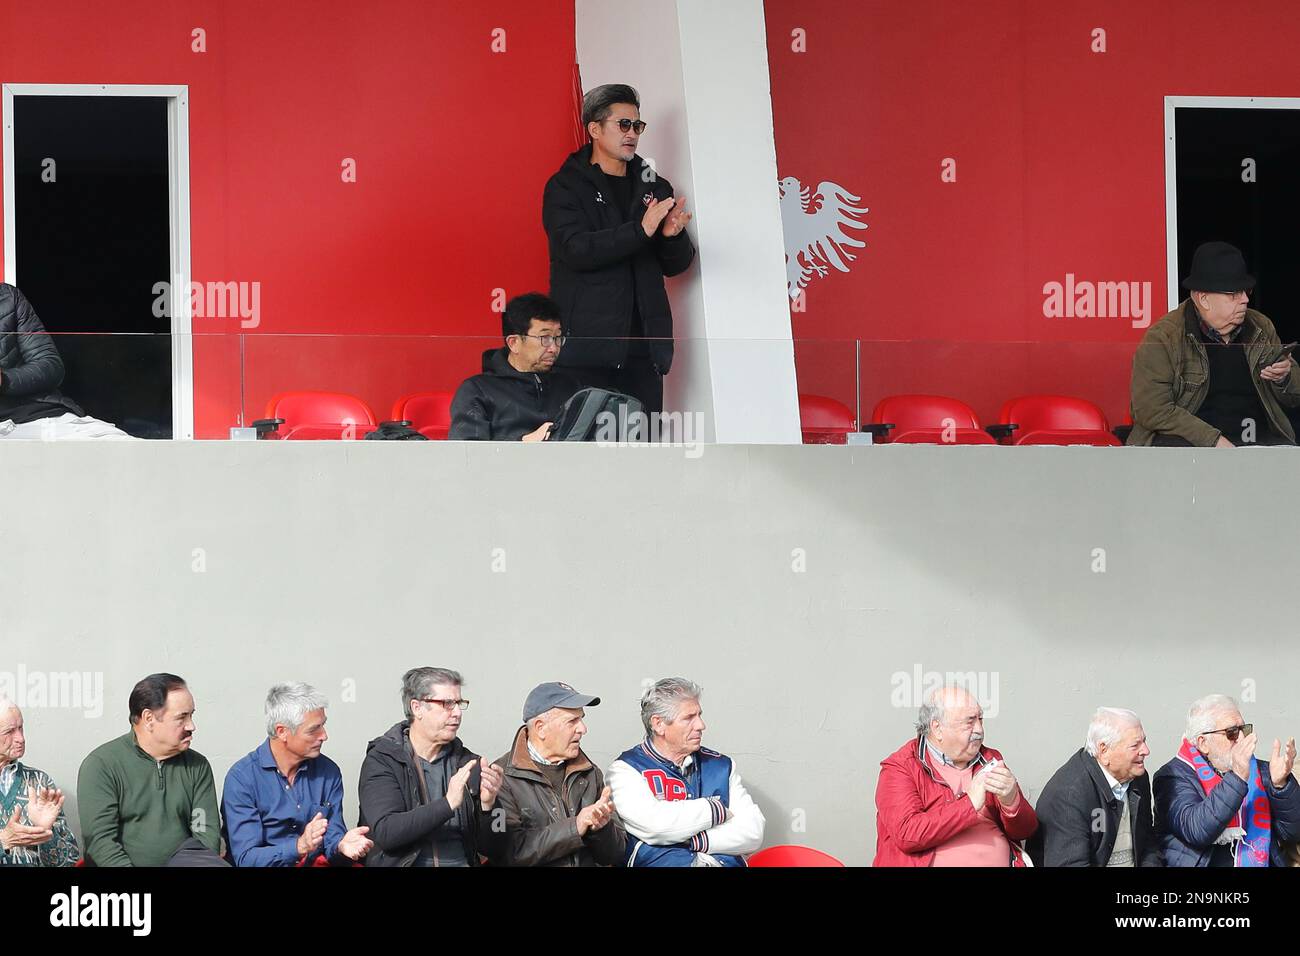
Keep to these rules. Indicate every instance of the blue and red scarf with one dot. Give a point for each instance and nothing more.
(1255, 815)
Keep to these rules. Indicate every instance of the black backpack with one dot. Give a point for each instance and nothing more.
(395, 431)
(599, 414)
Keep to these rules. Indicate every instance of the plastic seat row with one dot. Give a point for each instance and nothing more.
(940, 420)
(308, 415)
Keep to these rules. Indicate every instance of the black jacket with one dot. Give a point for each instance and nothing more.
(30, 367)
(401, 823)
(1078, 818)
(542, 825)
(504, 404)
(599, 262)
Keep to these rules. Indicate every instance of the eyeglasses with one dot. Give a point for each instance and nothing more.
(638, 126)
(1232, 732)
(446, 704)
(547, 340)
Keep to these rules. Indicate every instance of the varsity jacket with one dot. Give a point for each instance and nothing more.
(678, 816)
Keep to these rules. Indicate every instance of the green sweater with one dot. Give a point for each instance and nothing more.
(136, 811)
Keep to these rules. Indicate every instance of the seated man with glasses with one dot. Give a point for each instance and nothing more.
(1213, 372)
(1216, 804)
(518, 396)
(427, 799)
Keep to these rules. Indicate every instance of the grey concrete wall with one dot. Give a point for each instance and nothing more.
(240, 564)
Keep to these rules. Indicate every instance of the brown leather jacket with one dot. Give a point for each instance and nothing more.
(542, 825)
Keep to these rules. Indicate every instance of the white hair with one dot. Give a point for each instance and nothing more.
(289, 704)
(664, 698)
(1107, 725)
(933, 708)
(1200, 716)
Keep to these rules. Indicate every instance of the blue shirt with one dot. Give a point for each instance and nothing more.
(263, 815)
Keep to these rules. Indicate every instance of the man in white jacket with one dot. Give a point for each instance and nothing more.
(681, 804)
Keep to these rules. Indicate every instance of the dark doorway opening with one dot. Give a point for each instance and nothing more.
(1214, 201)
(92, 238)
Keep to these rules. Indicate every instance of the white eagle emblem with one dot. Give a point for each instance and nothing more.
(814, 224)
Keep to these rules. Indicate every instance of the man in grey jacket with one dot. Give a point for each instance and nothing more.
(558, 811)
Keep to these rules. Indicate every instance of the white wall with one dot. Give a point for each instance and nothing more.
(803, 586)
(701, 70)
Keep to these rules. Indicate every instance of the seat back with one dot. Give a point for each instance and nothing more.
(428, 412)
(790, 855)
(321, 415)
(824, 421)
(923, 412)
(1054, 413)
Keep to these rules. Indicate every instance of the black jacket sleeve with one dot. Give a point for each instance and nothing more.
(41, 369)
(576, 244)
(675, 253)
(1064, 824)
(471, 419)
(383, 807)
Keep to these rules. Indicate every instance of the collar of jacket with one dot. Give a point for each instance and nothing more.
(1193, 326)
(924, 757)
(521, 764)
(581, 161)
(1095, 774)
(499, 365)
(395, 743)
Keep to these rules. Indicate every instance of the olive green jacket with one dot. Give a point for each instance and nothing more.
(1171, 375)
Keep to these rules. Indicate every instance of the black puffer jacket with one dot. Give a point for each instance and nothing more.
(401, 823)
(504, 404)
(599, 262)
(30, 367)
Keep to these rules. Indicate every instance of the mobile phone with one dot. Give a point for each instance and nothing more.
(1284, 353)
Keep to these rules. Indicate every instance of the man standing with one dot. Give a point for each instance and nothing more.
(558, 809)
(1212, 372)
(681, 803)
(1096, 810)
(146, 798)
(1218, 805)
(944, 799)
(615, 230)
(519, 395)
(282, 804)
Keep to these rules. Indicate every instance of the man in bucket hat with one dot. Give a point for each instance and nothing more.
(557, 809)
(1213, 372)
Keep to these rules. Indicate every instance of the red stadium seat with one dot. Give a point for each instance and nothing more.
(825, 421)
(315, 416)
(926, 419)
(428, 412)
(789, 855)
(1053, 420)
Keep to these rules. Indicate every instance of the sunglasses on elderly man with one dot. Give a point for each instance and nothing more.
(1233, 732)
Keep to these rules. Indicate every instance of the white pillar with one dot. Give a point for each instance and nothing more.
(702, 75)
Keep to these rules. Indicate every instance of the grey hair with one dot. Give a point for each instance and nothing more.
(1106, 725)
(663, 698)
(932, 708)
(1200, 714)
(599, 101)
(289, 704)
(420, 681)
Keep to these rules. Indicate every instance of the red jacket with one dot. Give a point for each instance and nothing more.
(916, 811)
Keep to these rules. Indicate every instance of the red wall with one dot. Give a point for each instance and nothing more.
(453, 144)
(1060, 168)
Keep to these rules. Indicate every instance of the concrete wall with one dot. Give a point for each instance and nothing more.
(240, 564)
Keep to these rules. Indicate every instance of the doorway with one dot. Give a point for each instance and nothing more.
(96, 216)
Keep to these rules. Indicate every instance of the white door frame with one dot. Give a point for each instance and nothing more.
(1171, 164)
(178, 206)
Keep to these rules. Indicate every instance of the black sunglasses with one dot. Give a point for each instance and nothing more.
(626, 124)
(1233, 732)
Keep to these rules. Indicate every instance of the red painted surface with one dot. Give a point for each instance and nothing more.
(452, 143)
(1060, 169)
